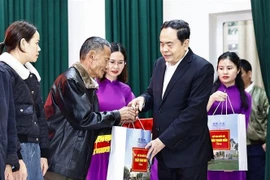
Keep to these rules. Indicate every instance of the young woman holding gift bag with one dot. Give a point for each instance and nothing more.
(113, 93)
(229, 86)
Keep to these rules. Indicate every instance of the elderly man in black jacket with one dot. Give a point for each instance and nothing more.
(73, 115)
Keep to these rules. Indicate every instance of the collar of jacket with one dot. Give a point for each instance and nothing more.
(22, 70)
(89, 82)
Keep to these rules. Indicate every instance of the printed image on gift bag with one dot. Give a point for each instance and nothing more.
(128, 159)
(228, 136)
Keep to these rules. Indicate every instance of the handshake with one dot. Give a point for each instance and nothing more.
(130, 112)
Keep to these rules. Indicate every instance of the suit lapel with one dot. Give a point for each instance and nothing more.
(161, 80)
(179, 72)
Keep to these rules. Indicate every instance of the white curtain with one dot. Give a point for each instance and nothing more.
(239, 37)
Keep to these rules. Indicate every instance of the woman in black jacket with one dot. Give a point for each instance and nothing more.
(21, 43)
(8, 133)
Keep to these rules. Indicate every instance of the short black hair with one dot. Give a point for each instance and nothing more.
(182, 27)
(245, 65)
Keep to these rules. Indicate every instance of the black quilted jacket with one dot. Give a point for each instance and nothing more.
(30, 118)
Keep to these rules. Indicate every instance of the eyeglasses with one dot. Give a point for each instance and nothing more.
(118, 63)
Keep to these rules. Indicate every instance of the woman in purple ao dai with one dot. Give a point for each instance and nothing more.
(229, 87)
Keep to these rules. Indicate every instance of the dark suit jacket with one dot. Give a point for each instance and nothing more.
(180, 117)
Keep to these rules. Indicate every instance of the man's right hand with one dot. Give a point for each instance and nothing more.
(128, 114)
(137, 103)
(21, 174)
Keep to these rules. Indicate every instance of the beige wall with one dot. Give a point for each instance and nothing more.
(85, 18)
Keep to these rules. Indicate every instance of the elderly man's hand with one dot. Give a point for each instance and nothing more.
(128, 114)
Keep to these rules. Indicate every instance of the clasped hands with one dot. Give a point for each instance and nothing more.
(130, 113)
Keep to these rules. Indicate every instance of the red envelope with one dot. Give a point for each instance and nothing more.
(139, 160)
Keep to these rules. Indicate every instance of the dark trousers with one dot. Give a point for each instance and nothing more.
(54, 176)
(256, 162)
(190, 173)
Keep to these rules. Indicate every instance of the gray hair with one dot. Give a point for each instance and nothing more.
(93, 43)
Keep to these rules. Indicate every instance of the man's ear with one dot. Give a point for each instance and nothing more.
(186, 44)
(250, 74)
(91, 55)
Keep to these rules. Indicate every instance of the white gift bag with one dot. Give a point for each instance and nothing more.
(128, 154)
(228, 136)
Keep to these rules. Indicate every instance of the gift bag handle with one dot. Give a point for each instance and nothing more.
(128, 125)
(132, 125)
(227, 100)
(138, 119)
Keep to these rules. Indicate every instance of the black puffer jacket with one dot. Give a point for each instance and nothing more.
(8, 133)
(73, 117)
(30, 118)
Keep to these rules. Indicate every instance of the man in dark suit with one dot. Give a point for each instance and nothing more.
(178, 93)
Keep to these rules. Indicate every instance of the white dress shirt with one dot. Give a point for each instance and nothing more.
(170, 69)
